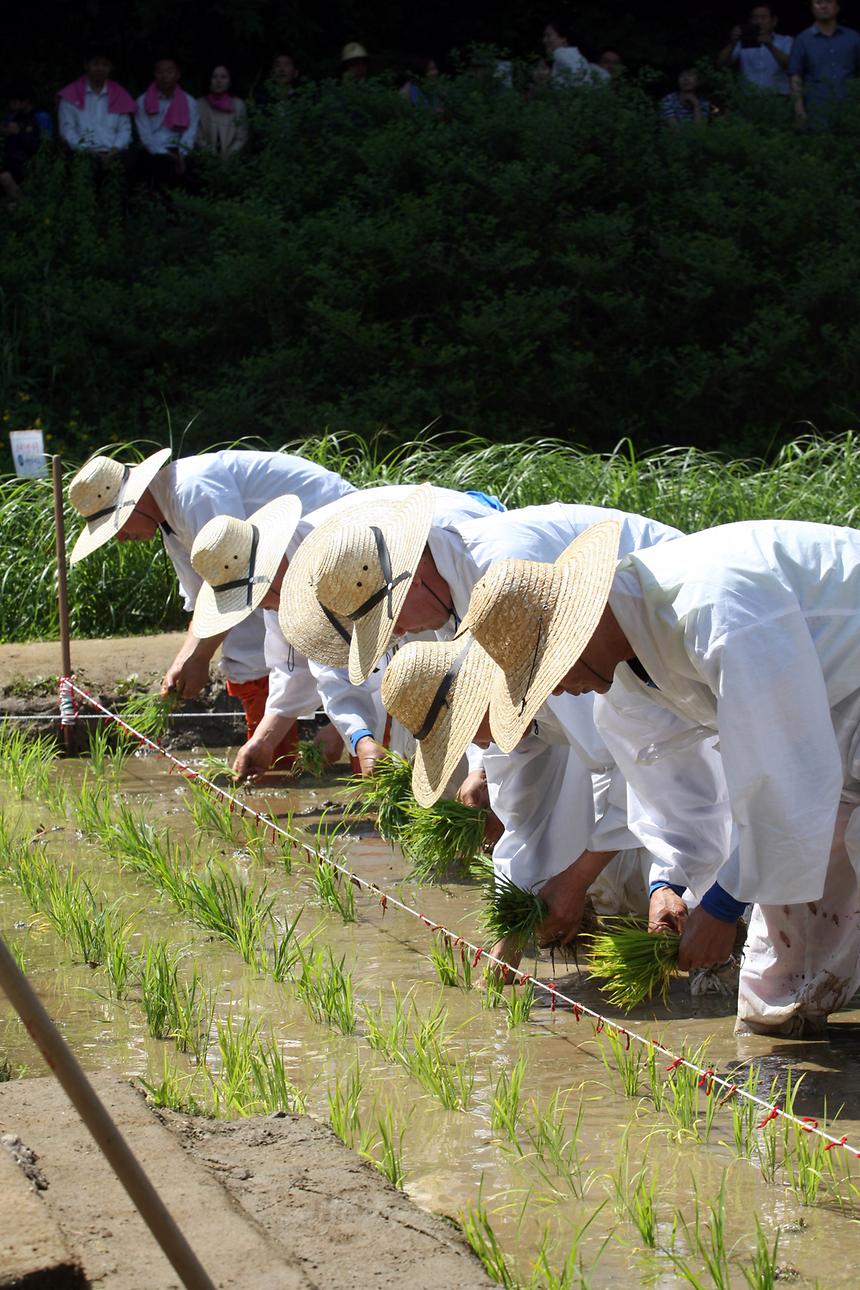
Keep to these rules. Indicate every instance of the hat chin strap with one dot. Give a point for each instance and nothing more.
(389, 582)
(440, 698)
(249, 581)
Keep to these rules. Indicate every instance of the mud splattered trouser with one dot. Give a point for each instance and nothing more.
(802, 962)
(252, 695)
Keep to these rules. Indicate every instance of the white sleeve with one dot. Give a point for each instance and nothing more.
(350, 707)
(781, 757)
(188, 137)
(611, 831)
(69, 122)
(677, 799)
(122, 133)
(543, 795)
(190, 581)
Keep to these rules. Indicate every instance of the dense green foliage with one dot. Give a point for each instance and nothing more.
(515, 268)
(130, 587)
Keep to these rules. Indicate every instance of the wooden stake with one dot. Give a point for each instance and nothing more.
(62, 586)
(92, 1111)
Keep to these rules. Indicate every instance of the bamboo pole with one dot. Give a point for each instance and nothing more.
(62, 585)
(92, 1111)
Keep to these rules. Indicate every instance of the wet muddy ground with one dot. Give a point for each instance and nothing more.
(538, 1191)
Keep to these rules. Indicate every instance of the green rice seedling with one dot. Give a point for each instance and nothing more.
(274, 1091)
(632, 963)
(149, 714)
(388, 1035)
(570, 1276)
(285, 845)
(26, 763)
(478, 1231)
(627, 1060)
(681, 1094)
(453, 966)
(804, 1159)
(555, 1145)
(437, 839)
(343, 1099)
(310, 759)
(509, 910)
(449, 1079)
(745, 1115)
(211, 815)
(236, 913)
(707, 1240)
(169, 1094)
(5, 1070)
(158, 972)
(119, 959)
(287, 948)
(253, 838)
(191, 1011)
(387, 794)
(332, 891)
(763, 1272)
(18, 954)
(493, 993)
(386, 1154)
(518, 1006)
(506, 1106)
(98, 747)
(92, 808)
(78, 917)
(326, 991)
(635, 1196)
(252, 1079)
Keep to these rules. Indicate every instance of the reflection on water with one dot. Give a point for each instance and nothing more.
(448, 1153)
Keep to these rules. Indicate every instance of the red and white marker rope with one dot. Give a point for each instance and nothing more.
(707, 1077)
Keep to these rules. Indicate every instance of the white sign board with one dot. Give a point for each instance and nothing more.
(28, 453)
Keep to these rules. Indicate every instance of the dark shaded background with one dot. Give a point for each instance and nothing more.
(43, 42)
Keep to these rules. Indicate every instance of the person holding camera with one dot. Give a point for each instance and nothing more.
(759, 52)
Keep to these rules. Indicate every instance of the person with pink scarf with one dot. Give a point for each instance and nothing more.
(223, 117)
(166, 122)
(95, 112)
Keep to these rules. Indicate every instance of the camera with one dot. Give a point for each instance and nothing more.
(749, 36)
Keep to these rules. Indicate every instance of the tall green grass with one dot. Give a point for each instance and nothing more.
(130, 587)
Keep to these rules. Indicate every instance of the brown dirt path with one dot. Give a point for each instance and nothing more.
(100, 662)
(274, 1203)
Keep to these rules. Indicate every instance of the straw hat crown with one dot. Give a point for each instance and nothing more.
(508, 606)
(348, 571)
(97, 485)
(222, 550)
(352, 52)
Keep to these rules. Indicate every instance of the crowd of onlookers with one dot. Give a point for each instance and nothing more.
(97, 116)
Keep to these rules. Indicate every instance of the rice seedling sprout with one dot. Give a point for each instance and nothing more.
(387, 794)
(332, 891)
(448, 835)
(632, 963)
(506, 1106)
(511, 911)
(518, 1005)
(343, 1099)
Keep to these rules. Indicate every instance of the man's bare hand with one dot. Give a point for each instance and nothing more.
(331, 743)
(368, 752)
(706, 942)
(473, 791)
(564, 896)
(666, 911)
(186, 677)
(493, 829)
(253, 759)
(508, 950)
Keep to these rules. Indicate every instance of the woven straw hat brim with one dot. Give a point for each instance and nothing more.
(215, 613)
(575, 590)
(99, 532)
(405, 525)
(438, 754)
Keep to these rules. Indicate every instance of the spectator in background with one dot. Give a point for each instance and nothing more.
(824, 58)
(569, 66)
(95, 112)
(759, 52)
(420, 73)
(21, 132)
(166, 125)
(354, 62)
(283, 80)
(611, 62)
(223, 127)
(685, 106)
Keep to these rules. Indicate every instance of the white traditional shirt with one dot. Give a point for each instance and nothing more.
(93, 128)
(759, 67)
(570, 67)
(193, 490)
(153, 134)
(751, 632)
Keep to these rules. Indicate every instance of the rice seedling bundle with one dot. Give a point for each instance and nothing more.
(387, 794)
(310, 759)
(511, 911)
(633, 963)
(443, 836)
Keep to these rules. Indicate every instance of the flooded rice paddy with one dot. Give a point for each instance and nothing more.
(522, 1124)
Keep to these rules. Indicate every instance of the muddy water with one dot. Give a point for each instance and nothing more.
(452, 1156)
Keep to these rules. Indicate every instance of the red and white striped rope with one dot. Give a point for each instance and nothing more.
(708, 1079)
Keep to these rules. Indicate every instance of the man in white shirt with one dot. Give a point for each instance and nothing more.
(759, 52)
(94, 112)
(749, 632)
(167, 120)
(569, 66)
(177, 501)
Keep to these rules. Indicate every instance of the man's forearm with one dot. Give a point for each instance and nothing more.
(778, 55)
(204, 649)
(797, 92)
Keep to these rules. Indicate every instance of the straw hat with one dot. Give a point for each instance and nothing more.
(438, 690)
(105, 492)
(353, 573)
(237, 560)
(535, 620)
(353, 52)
